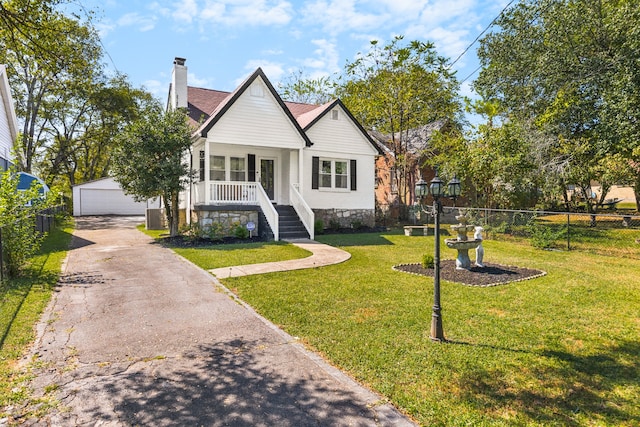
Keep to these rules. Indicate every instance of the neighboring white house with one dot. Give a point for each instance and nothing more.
(8, 122)
(104, 197)
(256, 153)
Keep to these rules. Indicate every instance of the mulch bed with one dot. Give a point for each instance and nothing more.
(490, 275)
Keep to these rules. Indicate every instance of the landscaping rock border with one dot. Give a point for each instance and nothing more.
(490, 275)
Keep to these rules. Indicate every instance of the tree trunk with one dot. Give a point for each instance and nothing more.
(171, 211)
(636, 192)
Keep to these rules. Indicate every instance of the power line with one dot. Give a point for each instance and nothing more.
(471, 74)
(104, 48)
(480, 35)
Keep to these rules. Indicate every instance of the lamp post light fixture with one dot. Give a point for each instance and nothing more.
(437, 190)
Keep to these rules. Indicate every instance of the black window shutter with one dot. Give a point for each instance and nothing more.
(315, 172)
(353, 175)
(201, 166)
(251, 159)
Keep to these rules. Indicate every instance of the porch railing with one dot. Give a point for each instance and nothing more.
(241, 193)
(302, 209)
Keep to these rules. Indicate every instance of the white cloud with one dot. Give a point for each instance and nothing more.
(144, 23)
(407, 9)
(104, 29)
(273, 70)
(185, 11)
(325, 58)
(338, 16)
(156, 88)
(196, 81)
(273, 52)
(234, 13)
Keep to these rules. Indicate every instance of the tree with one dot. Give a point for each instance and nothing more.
(20, 239)
(81, 130)
(569, 69)
(150, 159)
(53, 60)
(298, 87)
(399, 87)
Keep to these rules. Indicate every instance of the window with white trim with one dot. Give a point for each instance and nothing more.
(341, 173)
(217, 168)
(334, 173)
(238, 169)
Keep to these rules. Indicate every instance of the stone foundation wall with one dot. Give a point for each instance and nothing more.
(229, 219)
(345, 218)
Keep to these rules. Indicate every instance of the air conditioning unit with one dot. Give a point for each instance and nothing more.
(156, 219)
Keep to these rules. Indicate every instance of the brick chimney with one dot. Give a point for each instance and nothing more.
(179, 84)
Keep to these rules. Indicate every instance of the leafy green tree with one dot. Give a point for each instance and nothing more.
(20, 240)
(298, 87)
(81, 130)
(51, 61)
(150, 159)
(568, 70)
(399, 87)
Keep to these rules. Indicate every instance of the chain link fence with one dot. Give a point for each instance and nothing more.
(615, 234)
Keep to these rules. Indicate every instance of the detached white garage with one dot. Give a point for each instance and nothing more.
(104, 197)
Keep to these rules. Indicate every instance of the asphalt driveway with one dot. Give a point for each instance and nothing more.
(136, 335)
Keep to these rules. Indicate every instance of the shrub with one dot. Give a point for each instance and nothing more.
(18, 209)
(191, 232)
(334, 224)
(213, 231)
(318, 226)
(543, 236)
(240, 231)
(427, 261)
(356, 224)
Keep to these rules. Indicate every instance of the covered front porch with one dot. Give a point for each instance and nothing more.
(230, 196)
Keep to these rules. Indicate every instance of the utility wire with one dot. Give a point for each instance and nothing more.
(480, 35)
(104, 48)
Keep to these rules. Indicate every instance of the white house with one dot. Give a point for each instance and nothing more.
(260, 159)
(8, 122)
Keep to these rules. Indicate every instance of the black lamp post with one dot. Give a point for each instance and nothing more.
(436, 188)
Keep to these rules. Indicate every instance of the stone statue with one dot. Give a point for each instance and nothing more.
(479, 250)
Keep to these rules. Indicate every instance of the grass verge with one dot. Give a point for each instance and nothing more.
(562, 349)
(227, 255)
(22, 302)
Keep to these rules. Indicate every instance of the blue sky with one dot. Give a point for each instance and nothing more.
(226, 40)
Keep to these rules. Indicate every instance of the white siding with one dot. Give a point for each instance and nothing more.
(8, 125)
(256, 120)
(339, 136)
(362, 198)
(340, 139)
(5, 135)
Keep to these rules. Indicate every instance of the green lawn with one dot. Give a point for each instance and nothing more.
(217, 256)
(563, 349)
(22, 301)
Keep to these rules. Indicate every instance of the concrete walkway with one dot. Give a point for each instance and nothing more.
(321, 255)
(136, 335)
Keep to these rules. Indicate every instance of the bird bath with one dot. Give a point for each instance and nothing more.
(461, 243)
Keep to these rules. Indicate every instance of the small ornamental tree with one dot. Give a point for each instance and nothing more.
(150, 159)
(20, 239)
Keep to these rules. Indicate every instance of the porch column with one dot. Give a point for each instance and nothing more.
(300, 171)
(207, 184)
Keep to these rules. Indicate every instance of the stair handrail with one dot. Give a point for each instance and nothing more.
(269, 211)
(303, 210)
